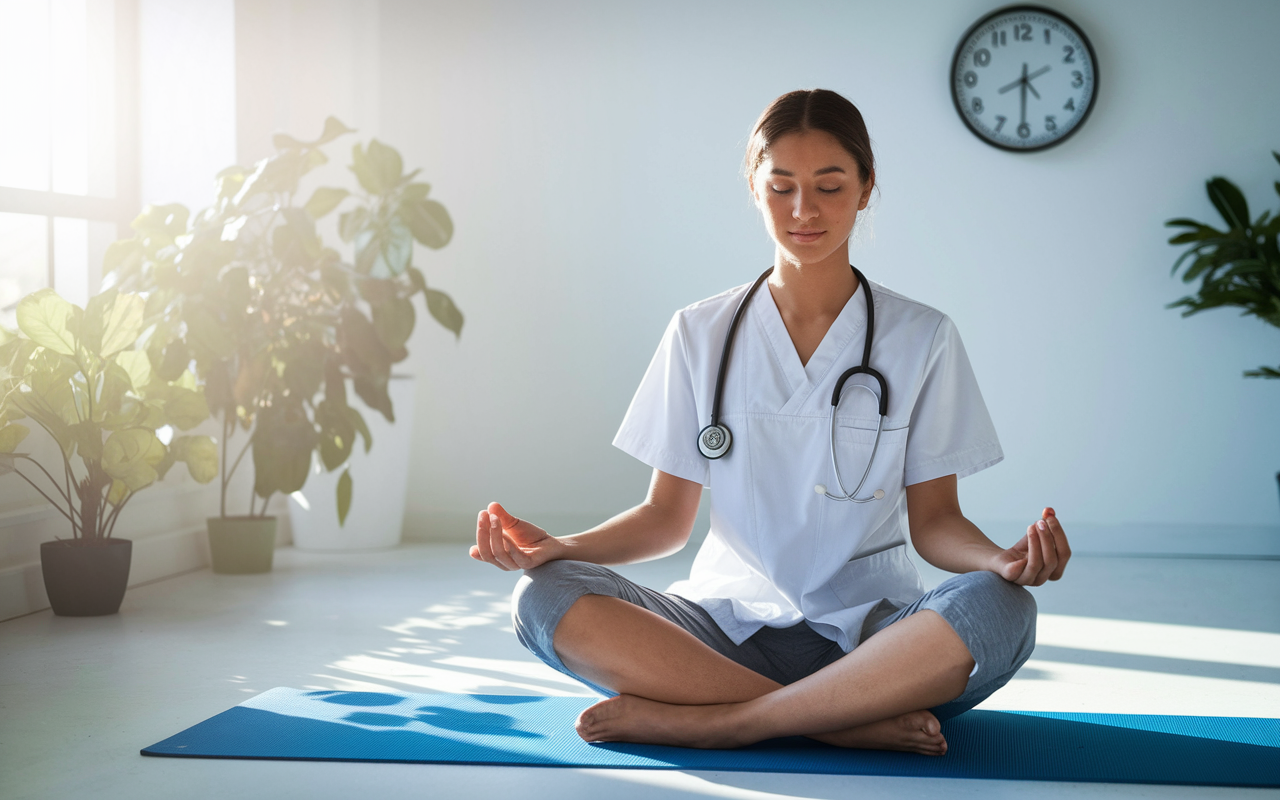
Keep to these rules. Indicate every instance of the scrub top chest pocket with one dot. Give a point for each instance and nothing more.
(853, 445)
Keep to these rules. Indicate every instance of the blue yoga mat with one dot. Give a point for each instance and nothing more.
(538, 731)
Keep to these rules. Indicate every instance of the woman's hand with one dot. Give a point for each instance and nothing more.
(509, 543)
(1039, 556)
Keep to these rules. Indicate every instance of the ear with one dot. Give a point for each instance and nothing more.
(751, 185)
(866, 192)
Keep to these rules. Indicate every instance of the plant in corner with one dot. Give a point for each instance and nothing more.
(277, 324)
(1238, 266)
(76, 374)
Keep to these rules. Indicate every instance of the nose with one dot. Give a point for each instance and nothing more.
(805, 208)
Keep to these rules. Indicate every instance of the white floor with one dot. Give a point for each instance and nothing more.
(80, 697)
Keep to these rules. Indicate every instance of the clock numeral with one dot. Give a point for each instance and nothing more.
(1071, 104)
(1050, 124)
(1046, 35)
(1022, 32)
(997, 38)
(1071, 54)
(977, 105)
(1024, 130)
(981, 57)
(1077, 80)
(971, 79)
(999, 123)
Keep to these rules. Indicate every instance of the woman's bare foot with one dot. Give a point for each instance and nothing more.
(627, 718)
(913, 732)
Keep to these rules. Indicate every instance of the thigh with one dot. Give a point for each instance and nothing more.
(544, 594)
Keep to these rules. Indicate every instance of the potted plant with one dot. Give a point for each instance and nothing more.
(1238, 266)
(76, 374)
(278, 324)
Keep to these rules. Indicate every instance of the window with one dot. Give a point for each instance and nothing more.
(66, 152)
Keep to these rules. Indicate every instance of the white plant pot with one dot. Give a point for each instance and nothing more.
(380, 478)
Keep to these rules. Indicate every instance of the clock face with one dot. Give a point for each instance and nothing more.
(1024, 78)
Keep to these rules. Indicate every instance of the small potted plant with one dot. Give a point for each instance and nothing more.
(75, 373)
(1238, 266)
(278, 325)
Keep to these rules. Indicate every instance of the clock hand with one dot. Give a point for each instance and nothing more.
(1032, 76)
(1024, 94)
(1004, 89)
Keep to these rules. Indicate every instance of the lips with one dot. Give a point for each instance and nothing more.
(805, 235)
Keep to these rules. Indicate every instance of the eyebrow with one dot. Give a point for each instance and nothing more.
(789, 174)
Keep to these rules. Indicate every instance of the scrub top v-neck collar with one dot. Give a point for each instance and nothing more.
(833, 350)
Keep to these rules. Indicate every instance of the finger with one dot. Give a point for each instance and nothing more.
(475, 553)
(1061, 545)
(505, 518)
(499, 545)
(1048, 512)
(1035, 558)
(1050, 553)
(484, 543)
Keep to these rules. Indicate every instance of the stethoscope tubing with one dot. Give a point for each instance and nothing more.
(715, 440)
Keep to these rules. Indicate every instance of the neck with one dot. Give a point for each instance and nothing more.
(815, 291)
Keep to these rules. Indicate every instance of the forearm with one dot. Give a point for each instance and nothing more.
(642, 533)
(953, 543)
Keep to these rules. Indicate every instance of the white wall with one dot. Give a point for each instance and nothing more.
(589, 153)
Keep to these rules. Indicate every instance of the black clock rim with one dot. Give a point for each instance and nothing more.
(955, 60)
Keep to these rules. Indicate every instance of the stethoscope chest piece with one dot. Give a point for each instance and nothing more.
(714, 441)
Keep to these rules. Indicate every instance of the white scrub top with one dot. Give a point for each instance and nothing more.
(777, 552)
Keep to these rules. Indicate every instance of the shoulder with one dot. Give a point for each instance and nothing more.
(710, 314)
(897, 314)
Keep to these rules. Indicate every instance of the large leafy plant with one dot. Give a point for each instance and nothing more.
(1239, 266)
(276, 322)
(76, 373)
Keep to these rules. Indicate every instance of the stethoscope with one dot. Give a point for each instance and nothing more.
(715, 440)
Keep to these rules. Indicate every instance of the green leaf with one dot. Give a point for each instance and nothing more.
(324, 200)
(1229, 201)
(186, 409)
(47, 319)
(295, 243)
(362, 346)
(344, 496)
(357, 421)
(372, 389)
(337, 434)
(445, 312)
(378, 168)
(333, 128)
(212, 340)
(200, 454)
(282, 443)
(417, 279)
(11, 436)
(394, 321)
(428, 221)
(304, 367)
(131, 456)
(137, 366)
(112, 322)
(351, 223)
(8, 462)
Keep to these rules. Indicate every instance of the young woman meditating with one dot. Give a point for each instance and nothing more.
(829, 416)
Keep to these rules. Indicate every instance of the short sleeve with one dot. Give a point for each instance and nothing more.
(951, 430)
(661, 425)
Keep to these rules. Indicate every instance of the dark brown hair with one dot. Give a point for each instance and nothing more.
(812, 110)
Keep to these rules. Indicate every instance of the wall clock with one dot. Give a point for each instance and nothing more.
(1024, 78)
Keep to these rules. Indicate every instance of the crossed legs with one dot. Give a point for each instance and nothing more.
(674, 689)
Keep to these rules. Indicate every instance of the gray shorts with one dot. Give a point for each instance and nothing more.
(995, 619)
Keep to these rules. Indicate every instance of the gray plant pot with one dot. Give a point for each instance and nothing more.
(85, 580)
(241, 545)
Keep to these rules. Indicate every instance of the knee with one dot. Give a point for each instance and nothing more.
(1008, 607)
(538, 600)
